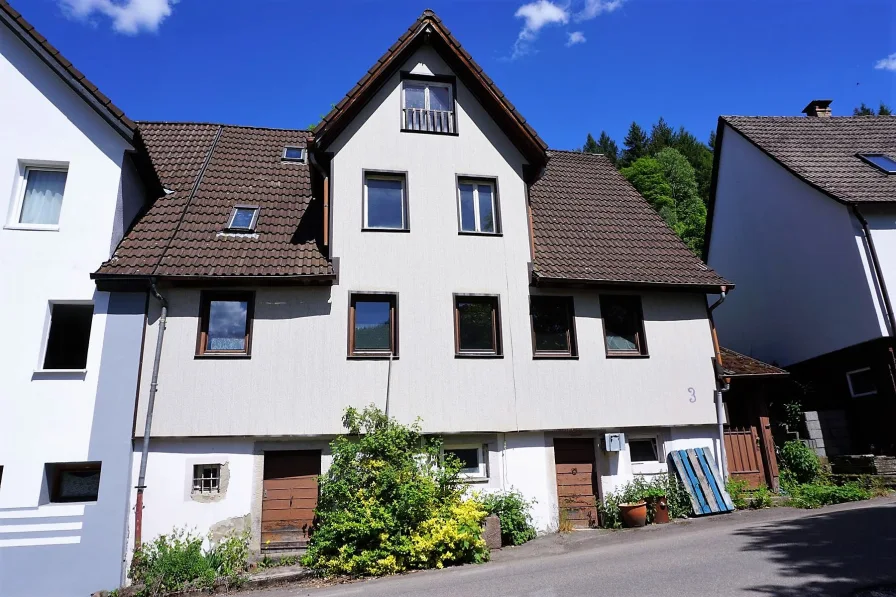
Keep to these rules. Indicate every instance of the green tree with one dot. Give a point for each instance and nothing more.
(865, 110)
(608, 147)
(647, 176)
(712, 140)
(634, 145)
(700, 158)
(661, 136)
(591, 145)
(690, 211)
(884, 110)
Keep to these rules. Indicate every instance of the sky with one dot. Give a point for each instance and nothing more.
(570, 66)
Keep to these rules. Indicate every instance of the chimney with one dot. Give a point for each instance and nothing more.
(818, 109)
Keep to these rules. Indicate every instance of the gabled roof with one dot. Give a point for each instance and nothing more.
(209, 169)
(591, 226)
(735, 364)
(824, 151)
(428, 28)
(66, 71)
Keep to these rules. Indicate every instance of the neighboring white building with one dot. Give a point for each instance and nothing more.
(69, 188)
(423, 251)
(803, 216)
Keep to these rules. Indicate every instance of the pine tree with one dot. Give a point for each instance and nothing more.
(712, 140)
(884, 110)
(608, 147)
(661, 136)
(591, 145)
(863, 110)
(634, 145)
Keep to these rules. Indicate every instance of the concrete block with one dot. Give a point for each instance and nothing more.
(811, 415)
(491, 532)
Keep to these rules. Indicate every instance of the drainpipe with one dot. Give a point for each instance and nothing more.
(388, 384)
(153, 386)
(721, 386)
(875, 263)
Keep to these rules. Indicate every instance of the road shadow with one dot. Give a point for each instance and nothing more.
(837, 552)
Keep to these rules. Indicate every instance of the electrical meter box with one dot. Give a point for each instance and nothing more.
(614, 442)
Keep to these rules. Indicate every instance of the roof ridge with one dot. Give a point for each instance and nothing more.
(224, 125)
(576, 152)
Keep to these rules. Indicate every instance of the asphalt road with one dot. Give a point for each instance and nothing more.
(781, 551)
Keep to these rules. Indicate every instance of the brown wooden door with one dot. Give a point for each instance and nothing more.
(289, 498)
(743, 456)
(576, 480)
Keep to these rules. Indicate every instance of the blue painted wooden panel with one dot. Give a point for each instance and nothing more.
(698, 474)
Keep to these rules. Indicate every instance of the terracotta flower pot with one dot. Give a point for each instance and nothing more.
(660, 510)
(634, 514)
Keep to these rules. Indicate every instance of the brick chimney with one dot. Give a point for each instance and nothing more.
(818, 109)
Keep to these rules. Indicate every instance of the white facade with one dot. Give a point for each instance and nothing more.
(292, 391)
(805, 286)
(53, 416)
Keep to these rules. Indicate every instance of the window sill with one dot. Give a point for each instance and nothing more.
(475, 480)
(555, 357)
(217, 355)
(371, 357)
(33, 227)
(419, 132)
(469, 233)
(59, 374)
(363, 229)
(478, 355)
(626, 355)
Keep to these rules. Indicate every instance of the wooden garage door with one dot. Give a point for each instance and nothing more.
(289, 498)
(576, 480)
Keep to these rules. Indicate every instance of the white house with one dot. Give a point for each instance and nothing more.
(803, 216)
(422, 250)
(70, 185)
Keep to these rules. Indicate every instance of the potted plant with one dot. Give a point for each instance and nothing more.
(634, 514)
(656, 500)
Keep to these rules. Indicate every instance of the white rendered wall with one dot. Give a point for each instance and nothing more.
(797, 258)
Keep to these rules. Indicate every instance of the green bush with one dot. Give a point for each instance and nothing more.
(761, 498)
(513, 511)
(799, 462)
(176, 561)
(387, 504)
(815, 495)
(640, 488)
(737, 489)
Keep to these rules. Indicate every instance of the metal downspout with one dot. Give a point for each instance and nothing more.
(720, 387)
(153, 386)
(875, 263)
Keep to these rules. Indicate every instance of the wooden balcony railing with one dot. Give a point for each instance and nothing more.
(431, 121)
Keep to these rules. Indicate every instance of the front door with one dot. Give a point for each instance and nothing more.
(289, 498)
(576, 481)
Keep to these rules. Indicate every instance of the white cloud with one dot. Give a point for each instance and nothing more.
(536, 15)
(888, 63)
(576, 37)
(128, 16)
(595, 8)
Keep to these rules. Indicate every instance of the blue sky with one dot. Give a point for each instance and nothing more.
(283, 62)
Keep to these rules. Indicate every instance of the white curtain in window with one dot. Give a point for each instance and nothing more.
(43, 197)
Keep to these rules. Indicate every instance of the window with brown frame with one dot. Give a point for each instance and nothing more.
(623, 325)
(225, 324)
(373, 325)
(553, 326)
(477, 325)
(73, 481)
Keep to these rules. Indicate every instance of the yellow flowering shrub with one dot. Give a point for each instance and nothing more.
(452, 536)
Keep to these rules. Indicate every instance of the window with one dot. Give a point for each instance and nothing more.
(477, 326)
(373, 325)
(243, 218)
(225, 325)
(73, 481)
(477, 206)
(207, 478)
(861, 383)
(553, 328)
(643, 450)
(880, 161)
(385, 202)
(294, 154)
(623, 325)
(473, 460)
(41, 200)
(69, 336)
(427, 105)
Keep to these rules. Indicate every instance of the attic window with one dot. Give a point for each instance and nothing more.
(880, 161)
(243, 218)
(294, 154)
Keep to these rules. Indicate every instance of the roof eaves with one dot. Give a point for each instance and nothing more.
(541, 280)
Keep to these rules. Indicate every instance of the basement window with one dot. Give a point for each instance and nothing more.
(880, 161)
(73, 481)
(294, 154)
(643, 449)
(207, 478)
(69, 336)
(861, 383)
(473, 460)
(243, 218)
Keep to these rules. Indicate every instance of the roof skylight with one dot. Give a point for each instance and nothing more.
(880, 161)
(293, 154)
(243, 218)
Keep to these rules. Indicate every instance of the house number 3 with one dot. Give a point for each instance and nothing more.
(693, 394)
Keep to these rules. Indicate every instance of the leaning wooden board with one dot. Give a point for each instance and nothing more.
(697, 472)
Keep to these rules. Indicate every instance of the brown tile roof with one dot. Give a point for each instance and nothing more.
(462, 64)
(737, 365)
(59, 60)
(181, 234)
(591, 225)
(822, 151)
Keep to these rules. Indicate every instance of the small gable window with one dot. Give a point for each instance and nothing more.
(294, 154)
(243, 218)
(427, 106)
(880, 161)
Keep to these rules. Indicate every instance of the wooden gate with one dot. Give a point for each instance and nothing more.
(744, 457)
(289, 498)
(576, 480)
